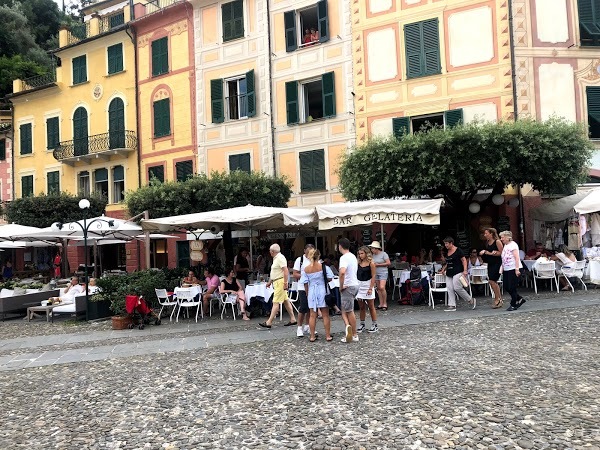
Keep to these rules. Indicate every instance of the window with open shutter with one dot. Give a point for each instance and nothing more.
(232, 17)
(453, 117)
(250, 94)
(291, 102)
(162, 118)
(79, 69)
(593, 106)
(160, 56)
(27, 186)
(240, 162)
(422, 47)
(53, 179)
(101, 182)
(118, 184)
(323, 20)
(115, 58)
(157, 173)
(400, 126)
(26, 139)
(52, 133)
(589, 22)
(184, 170)
(289, 21)
(312, 170)
(216, 100)
(2, 149)
(328, 80)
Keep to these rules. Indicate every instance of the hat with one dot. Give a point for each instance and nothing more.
(375, 244)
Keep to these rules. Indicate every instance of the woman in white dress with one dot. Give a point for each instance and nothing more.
(366, 275)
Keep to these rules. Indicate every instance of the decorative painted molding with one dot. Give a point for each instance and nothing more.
(172, 30)
(97, 92)
(160, 95)
(591, 72)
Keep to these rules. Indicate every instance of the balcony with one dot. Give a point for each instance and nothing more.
(99, 146)
(35, 82)
(112, 21)
(78, 33)
(95, 26)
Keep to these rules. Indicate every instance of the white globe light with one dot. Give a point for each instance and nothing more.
(513, 202)
(474, 208)
(498, 199)
(84, 203)
(56, 226)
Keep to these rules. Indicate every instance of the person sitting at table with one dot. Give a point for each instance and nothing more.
(211, 280)
(563, 258)
(7, 270)
(73, 289)
(424, 257)
(474, 260)
(190, 279)
(537, 252)
(92, 288)
(230, 285)
(242, 266)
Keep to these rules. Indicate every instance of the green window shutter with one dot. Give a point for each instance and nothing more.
(100, 175)
(431, 47)
(227, 19)
(52, 133)
(80, 131)
(593, 106)
(240, 162)
(453, 117)
(589, 22)
(216, 100)
(118, 173)
(27, 186)
(238, 18)
(400, 126)
(306, 179)
(412, 45)
(157, 172)
(25, 138)
(115, 58)
(291, 102)
(116, 124)
(160, 56)
(291, 41)
(184, 170)
(312, 170)
(328, 80)
(323, 20)
(318, 169)
(162, 118)
(79, 69)
(2, 149)
(586, 11)
(53, 180)
(250, 93)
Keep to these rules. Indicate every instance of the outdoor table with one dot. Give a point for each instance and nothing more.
(47, 309)
(529, 263)
(195, 290)
(258, 290)
(594, 270)
(405, 275)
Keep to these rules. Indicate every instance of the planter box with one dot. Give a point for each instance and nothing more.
(98, 310)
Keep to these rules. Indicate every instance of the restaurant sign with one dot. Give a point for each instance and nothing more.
(378, 217)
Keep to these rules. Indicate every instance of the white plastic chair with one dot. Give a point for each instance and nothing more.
(165, 300)
(479, 276)
(231, 300)
(185, 299)
(397, 284)
(572, 270)
(435, 285)
(544, 271)
(292, 296)
(215, 297)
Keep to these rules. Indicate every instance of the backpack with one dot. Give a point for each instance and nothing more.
(415, 274)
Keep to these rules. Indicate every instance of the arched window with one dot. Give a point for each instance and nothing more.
(80, 131)
(116, 124)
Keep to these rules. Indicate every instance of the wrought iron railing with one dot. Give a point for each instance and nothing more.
(95, 144)
(156, 5)
(236, 107)
(111, 21)
(78, 33)
(38, 80)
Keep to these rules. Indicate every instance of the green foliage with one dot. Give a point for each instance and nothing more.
(16, 67)
(43, 210)
(115, 287)
(203, 193)
(457, 162)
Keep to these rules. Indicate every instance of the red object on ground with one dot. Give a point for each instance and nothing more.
(135, 303)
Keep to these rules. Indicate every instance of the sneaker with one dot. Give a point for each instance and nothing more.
(354, 338)
(521, 302)
(511, 308)
(361, 328)
(373, 329)
(299, 332)
(306, 329)
(450, 309)
(348, 336)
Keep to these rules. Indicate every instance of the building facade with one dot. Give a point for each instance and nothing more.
(6, 156)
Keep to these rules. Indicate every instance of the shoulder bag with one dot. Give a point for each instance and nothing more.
(329, 297)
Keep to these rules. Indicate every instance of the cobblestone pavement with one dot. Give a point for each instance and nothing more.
(468, 380)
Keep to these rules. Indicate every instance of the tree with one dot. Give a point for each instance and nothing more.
(457, 162)
(43, 210)
(203, 193)
(43, 18)
(15, 67)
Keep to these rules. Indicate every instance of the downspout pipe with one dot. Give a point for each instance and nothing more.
(271, 108)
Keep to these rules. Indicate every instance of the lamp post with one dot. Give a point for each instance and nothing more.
(84, 205)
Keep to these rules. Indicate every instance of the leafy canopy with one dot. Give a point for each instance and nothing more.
(202, 193)
(457, 162)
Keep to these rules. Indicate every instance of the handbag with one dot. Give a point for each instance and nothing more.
(330, 300)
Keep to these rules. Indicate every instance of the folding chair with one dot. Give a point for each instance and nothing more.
(479, 276)
(228, 299)
(544, 271)
(164, 299)
(186, 299)
(573, 270)
(435, 285)
(397, 284)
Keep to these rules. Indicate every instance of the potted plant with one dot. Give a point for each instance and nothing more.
(112, 291)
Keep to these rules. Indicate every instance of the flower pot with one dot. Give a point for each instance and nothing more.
(98, 310)
(120, 322)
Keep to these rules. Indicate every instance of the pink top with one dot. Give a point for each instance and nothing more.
(213, 282)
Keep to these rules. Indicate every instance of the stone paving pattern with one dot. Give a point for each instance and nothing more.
(483, 379)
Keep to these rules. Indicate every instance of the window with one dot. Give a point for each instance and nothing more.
(589, 22)
(593, 107)
(240, 98)
(162, 118)
(2, 149)
(422, 43)
(116, 124)
(118, 184)
(52, 133)
(27, 186)
(156, 173)
(115, 58)
(240, 162)
(26, 139)
(317, 99)
(183, 254)
(405, 125)
(101, 182)
(312, 170)
(53, 180)
(80, 131)
(84, 183)
(306, 27)
(184, 170)
(160, 56)
(79, 69)
(232, 15)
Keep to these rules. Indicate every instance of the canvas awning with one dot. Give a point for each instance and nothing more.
(352, 214)
(590, 203)
(557, 210)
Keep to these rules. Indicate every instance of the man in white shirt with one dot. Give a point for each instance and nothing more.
(71, 291)
(348, 289)
(303, 310)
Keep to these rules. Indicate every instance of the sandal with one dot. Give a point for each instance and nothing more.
(329, 338)
(314, 339)
(383, 308)
(290, 323)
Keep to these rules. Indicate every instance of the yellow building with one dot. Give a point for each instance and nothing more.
(423, 61)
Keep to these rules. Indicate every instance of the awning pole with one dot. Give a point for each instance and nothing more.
(251, 258)
(382, 239)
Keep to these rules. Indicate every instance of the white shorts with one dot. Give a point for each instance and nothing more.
(363, 287)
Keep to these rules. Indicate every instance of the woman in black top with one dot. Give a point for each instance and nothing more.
(242, 268)
(491, 255)
(231, 286)
(455, 268)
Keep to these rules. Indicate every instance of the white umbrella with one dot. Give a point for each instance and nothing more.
(96, 227)
(25, 244)
(15, 232)
(590, 204)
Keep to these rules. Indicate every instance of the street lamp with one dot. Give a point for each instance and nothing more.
(84, 204)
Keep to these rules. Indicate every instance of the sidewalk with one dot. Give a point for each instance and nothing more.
(187, 335)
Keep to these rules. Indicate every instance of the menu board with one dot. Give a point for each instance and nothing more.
(503, 224)
(366, 234)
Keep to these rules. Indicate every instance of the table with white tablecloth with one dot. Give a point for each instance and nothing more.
(404, 275)
(195, 290)
(258, 290)
(529, 263)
